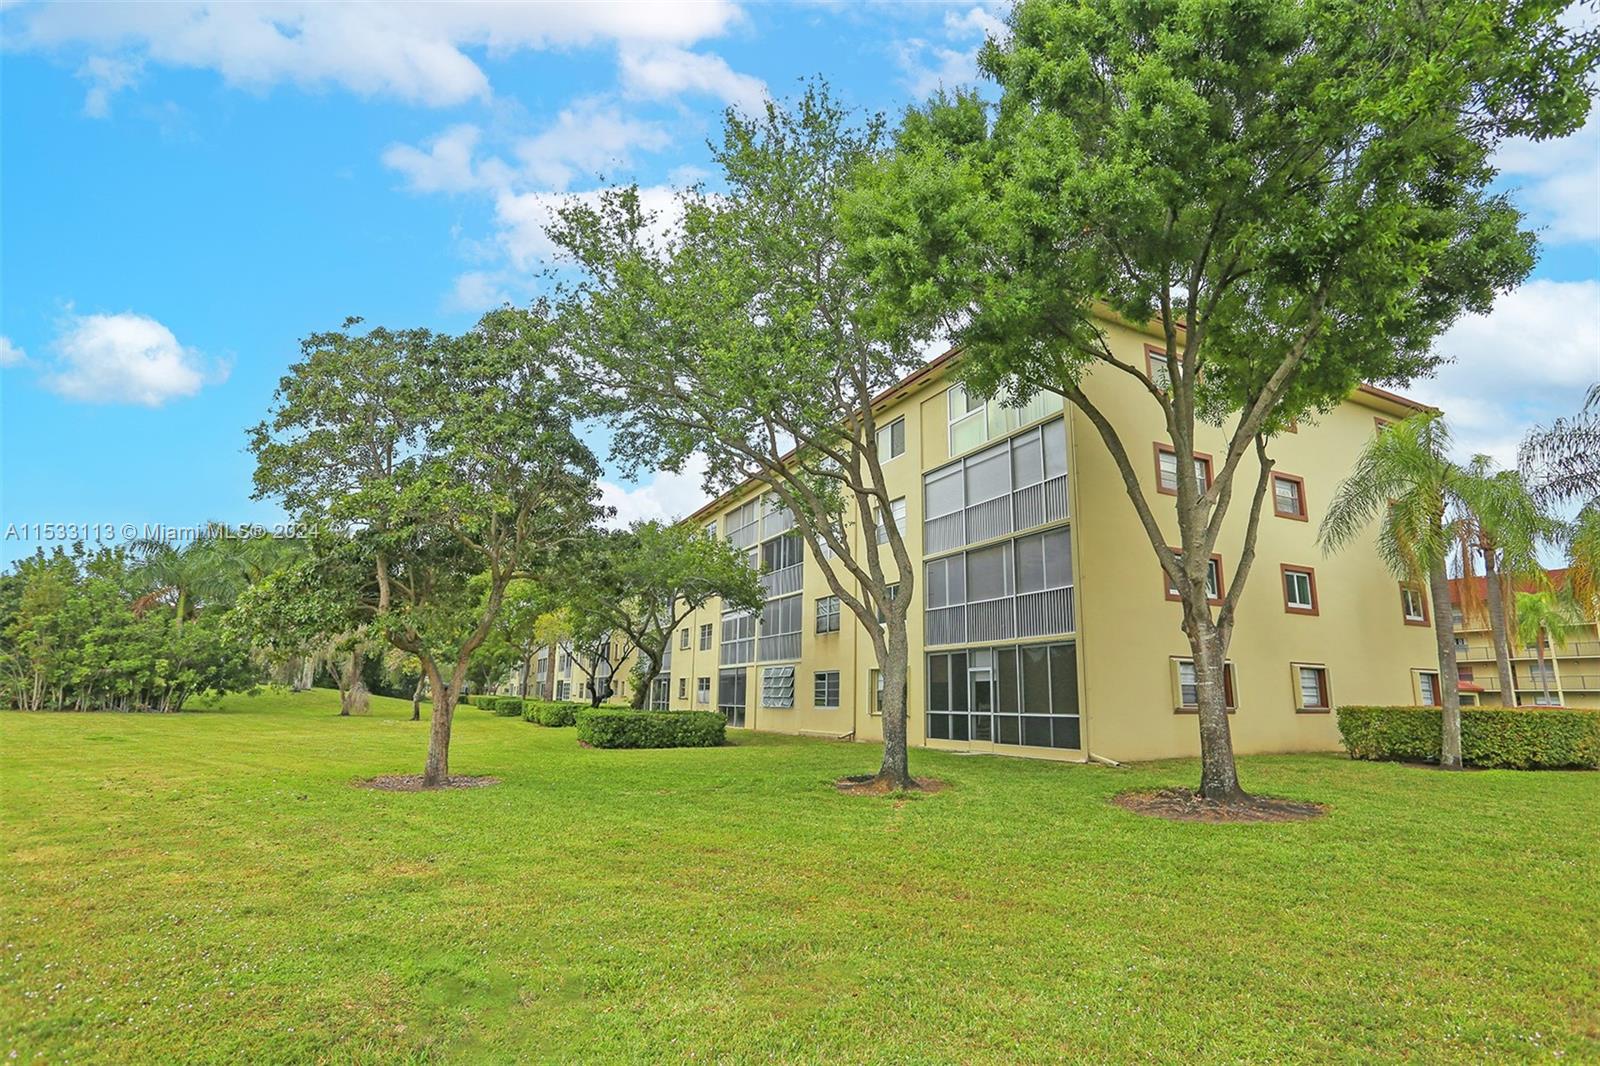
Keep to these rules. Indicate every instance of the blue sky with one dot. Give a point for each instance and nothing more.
(186, 190)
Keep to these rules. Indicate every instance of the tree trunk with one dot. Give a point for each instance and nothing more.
(896, 769)
(1219, 775)
(437, 770)
(1444, 636)
(353, 694)
(1499, 631)
(1544, 676)
(527, 668)
(416, 698)
(641, 694)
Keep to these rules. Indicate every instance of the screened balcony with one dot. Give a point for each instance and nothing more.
(1014, 589)
(1016, 485)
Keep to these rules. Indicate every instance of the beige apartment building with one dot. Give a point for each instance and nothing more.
(1041, 623)
(1571, 665)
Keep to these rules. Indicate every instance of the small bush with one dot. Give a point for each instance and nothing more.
(1508, 737)
(485, 701)
(507, 707)
(549, 713)
(466, 700)
(617, 728)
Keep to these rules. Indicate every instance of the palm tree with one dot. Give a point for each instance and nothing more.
(1563, 460)
(1542, 617)
(1503, 525)
(1583, 562)
(1404, 477)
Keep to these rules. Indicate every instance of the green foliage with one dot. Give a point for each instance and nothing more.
(607, 728)
(485, 701)
(552, 713)
(507, 707)
(1507, 737)
(80, 632)
(641, 583)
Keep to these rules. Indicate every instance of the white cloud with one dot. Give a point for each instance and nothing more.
(126, 358)
(478, 291)
(666, 497)
(412, 51)
(584, 139)
(1558, 181)
(656, 72)
(928, 66)
(447, 164)
(11, 354)
(107, 76)
(521, 219)
(1527, 361)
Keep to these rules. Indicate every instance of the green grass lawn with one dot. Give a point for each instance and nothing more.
(209, 887)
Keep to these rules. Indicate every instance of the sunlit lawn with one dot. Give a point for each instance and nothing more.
(209, 887)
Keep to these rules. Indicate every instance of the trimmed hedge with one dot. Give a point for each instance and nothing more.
(549, 713)
(485, 700)
(606, 727)
(1515, 738)
(507, 706)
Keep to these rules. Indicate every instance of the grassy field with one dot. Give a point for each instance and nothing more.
(209, 887)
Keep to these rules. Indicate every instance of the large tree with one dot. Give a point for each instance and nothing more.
(739, 332)
(642, 582)
(1293, 192)
(443, 468)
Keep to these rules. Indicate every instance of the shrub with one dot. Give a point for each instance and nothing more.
(1509, 737)
(486, 701)
(507, 706)
(605, 727)
(549, 713)
(466, 700)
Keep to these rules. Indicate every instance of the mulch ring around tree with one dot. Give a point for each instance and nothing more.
(413, 783)
(1185, 805)
(872, 785)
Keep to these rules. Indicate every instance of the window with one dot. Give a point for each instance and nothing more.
(969, 425)
(1381, 424)
(894, 594)
(1428, 691)
(1005, 695)
(892, 440)
(1299, 589)
(777, 686)
(711, 529)
(781, 552)
(876, 681)
(702, 690)
(1158, 366)
(683, 639)
(825, 692)
(1457, 619)
(828, 614)
(897, 514)
(1289, 497)
(1311, 687)
(563, 690)
(705, 637)
(1213, 580)
(780, 629)
(743, 523)
(1043, 561)
(1413, 605)
(683, 688)
(1167, 470)
(738, 638)
(1187, 687)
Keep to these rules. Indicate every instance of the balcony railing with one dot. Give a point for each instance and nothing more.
(1574, 649)
(779, 646)
(1021, 509)
(782, 582)
(1031, 614)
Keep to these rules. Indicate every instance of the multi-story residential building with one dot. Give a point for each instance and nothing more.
(1571, 667)
(1042, 623)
